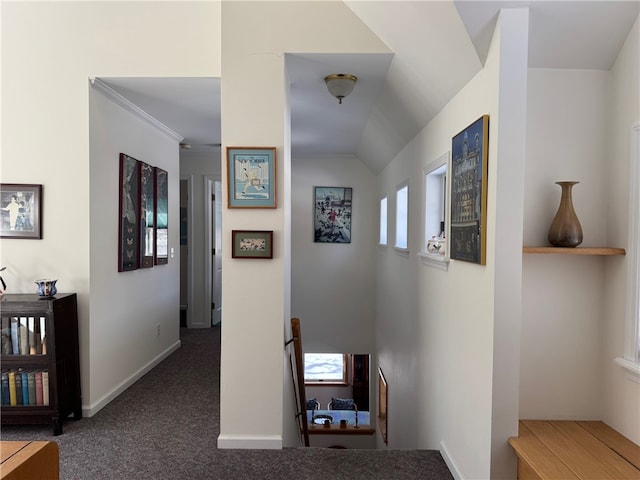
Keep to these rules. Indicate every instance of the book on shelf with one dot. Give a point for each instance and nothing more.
(23, 336)
(15, 345)
(4, 383)
(45, 387)
(5, 333)
(19, 394)
(25, 387)
(38, 376)
(31, 378)
(13, 399)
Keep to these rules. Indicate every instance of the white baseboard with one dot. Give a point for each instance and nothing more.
(253, 442)
(91, 410)
(448, 459)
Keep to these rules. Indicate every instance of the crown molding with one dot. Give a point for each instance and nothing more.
(115, 97)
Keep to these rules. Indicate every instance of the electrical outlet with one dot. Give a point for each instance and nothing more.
(158, 330)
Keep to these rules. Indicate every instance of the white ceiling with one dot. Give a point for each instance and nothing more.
(396, 95)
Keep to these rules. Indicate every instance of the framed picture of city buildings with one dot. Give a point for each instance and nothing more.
(332, 214)
(469, 154)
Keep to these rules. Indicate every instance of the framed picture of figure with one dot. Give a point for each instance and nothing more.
(332, 214)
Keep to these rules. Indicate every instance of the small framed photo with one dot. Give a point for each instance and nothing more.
(251, 177)
(21, 208)
(252, 244)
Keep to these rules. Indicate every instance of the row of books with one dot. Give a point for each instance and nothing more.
(25, 387)
(24, 336)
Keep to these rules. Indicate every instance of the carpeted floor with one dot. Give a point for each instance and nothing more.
(151, 433)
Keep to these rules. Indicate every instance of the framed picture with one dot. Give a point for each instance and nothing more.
(252, 243)
(161, 221)
(332, 214)
(21, 210)
(147, 215)
(469, 153)
(251, 177)
(129, 211)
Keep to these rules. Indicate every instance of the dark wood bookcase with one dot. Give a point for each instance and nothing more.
(59, 357)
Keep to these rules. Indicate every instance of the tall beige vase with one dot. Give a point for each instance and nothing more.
(565, 230)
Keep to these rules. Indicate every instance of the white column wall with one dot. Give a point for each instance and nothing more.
(253, 114)
(435, 329)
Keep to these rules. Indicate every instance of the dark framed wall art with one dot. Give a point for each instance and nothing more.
(161, 222)
(21, 210)
(332, 214)
(147, 215)
(469, 155)
(129, 211)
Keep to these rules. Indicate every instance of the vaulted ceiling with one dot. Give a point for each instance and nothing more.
(396, 94)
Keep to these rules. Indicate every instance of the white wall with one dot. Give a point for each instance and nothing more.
(253, 113)
(563, 295)
(437, 331)
(332, 284)
(117, 358)
(49, 51)
(621, 395)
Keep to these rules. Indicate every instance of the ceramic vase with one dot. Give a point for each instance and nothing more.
(46, 287)
(565, 230)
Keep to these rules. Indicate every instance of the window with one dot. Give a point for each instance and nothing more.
(326, 368)
(631, 360)
(435, 222)
(402, 216)
(383, 220)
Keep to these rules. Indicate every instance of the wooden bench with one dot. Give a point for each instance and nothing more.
(29, 461)
(574, 450)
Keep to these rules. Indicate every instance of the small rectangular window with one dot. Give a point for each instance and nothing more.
(325, 368)
(383, 221)
(402, 216)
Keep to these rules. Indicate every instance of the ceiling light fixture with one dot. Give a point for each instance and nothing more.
(340, 84)
(185, 146)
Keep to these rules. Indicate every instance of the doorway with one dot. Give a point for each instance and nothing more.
(213, 247)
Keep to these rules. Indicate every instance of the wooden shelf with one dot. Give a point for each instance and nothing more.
(575, 251)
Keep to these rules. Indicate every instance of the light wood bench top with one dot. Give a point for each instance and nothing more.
(29, 461)
(574, 450)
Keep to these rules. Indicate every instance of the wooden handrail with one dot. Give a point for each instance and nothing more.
(299, 376)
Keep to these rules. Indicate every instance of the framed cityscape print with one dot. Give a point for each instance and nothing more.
(252, 244)
(147, 215)
(251, 177)
(469, 154)
(128, 211)
(161, 221)
(332, 214)
(21, 210)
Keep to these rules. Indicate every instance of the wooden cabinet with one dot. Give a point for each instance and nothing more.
(40, 346)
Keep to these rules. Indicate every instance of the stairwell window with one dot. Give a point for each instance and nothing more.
(383, 221)
(325, 368)
(402, 216)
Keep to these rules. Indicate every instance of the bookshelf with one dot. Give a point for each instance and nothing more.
(40, 346)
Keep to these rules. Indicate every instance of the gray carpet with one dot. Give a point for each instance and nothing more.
(165, 426)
